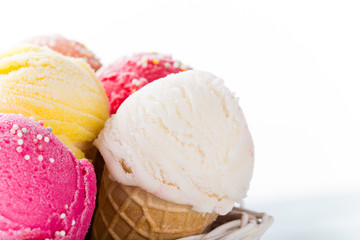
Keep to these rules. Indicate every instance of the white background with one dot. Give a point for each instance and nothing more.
(295, 66)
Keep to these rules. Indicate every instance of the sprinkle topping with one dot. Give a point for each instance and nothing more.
(73, 222)
(62, 216)
(136, 81)
(19, 133)
(62, 233)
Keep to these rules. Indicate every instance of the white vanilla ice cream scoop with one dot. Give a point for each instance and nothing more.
(184, 139)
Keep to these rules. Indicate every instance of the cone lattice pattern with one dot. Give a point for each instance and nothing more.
(126, 212)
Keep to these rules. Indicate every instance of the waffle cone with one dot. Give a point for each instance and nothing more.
(127, 212)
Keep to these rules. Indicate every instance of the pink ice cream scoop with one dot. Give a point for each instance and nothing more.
(67, 47)
(129, 74)
(45, 192)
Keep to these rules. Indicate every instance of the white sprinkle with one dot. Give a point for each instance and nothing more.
(19, 133)
(27, 157)
(176, 64)
(52, 160)
(32, 118)
(136, 82)
(39, 136)
(24, 130)
(12, 131)
(166, 65)
(144, 64)
(19, 149)
(15, 127)
(46, 139)
(40, 158)
(62, 216)
(73, 222)
(66, 206)
(20, 141)
(62, 233)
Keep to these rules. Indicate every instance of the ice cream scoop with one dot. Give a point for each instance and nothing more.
(45, 192)
(67, 47)
(184, 139)
(129, 74)
(62, 91)
(178, 152)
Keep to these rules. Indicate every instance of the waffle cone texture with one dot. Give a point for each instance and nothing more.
(127, 212)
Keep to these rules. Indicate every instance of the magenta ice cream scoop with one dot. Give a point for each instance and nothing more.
(45, 192)
(128, 74)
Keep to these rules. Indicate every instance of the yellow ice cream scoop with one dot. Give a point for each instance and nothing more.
(61, 91)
